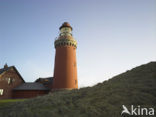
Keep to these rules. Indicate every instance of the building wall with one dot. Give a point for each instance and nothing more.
(7, 87)
(29, 93)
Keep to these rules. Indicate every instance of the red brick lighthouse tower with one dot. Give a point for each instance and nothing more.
(65, 69)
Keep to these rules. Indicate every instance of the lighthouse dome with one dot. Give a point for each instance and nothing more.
(65, 24)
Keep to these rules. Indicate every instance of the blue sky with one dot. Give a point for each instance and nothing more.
(113, 36)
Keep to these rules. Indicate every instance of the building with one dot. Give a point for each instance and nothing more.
(12, 85)
(47, 82)
(30, 89)
(9, 79)
(65, 69)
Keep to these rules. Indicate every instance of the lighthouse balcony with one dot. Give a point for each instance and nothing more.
(65, 42)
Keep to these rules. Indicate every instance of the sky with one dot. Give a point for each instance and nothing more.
(113, 36)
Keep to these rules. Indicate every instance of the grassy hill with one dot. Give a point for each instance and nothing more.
(134, 87)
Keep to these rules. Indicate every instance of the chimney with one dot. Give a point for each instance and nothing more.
(5, 66)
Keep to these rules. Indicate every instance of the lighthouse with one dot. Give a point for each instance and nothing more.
(65, 67)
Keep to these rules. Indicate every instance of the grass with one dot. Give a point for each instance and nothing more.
(10, 100)
(134, 87)
(5, 102)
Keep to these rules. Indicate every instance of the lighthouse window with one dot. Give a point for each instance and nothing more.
(74, 64)
(1, 91)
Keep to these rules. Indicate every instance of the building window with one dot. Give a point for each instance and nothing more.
(1, 91)
(9, 80)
